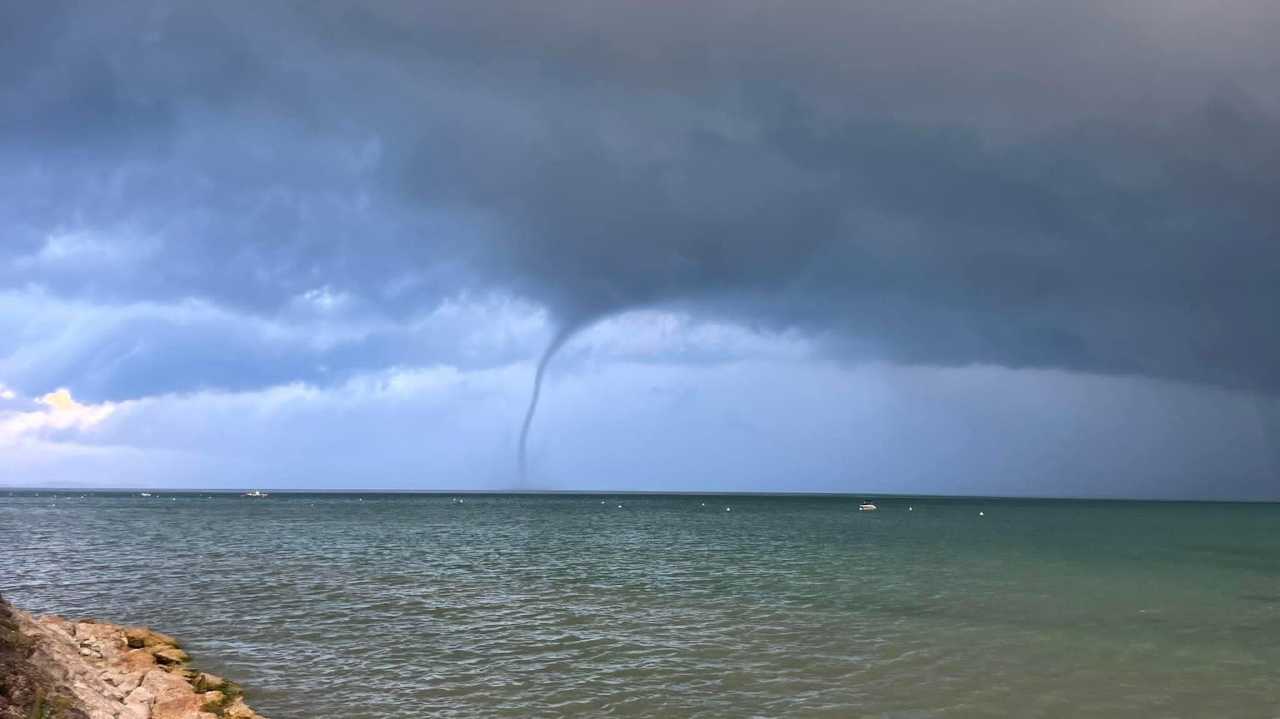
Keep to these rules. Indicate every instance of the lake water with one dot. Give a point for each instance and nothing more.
(390, 606)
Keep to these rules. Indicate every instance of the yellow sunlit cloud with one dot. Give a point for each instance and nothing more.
(60, 400)
(61, 412)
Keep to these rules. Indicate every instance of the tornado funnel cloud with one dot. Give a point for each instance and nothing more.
(562, 335)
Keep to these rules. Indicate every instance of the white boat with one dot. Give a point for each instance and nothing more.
(146, 494)
(255, 493)
(867, 507)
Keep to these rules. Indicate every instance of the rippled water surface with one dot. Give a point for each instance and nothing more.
(386, 606)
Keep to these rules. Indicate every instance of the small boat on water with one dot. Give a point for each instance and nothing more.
(867, 507)
(255, 493)
(146, 494)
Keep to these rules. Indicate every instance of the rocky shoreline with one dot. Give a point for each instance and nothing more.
(54, 668)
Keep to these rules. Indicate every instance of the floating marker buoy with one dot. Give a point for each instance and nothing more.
(619, 506)
(728, 509)
(982, 514)
(911, 509)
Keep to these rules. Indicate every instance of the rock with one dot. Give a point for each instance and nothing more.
(95, 670)
(124, 681)
(171, 655)
(139, 660)
(178, 707)
(55, 622)
(140, 697)
(135, 712)
(240, 710)
(28, 685)
(175, 698)
(139, 637)
(165, 685)
(208, 682)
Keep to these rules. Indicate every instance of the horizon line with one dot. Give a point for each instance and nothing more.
(634, 492)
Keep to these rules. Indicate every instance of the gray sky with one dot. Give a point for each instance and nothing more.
(972, 247)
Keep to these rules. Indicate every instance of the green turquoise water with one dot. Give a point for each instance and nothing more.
(389, 606)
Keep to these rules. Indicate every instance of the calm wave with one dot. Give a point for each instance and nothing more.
(389, 606)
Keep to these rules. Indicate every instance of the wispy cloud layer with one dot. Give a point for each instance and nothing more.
(612, 423)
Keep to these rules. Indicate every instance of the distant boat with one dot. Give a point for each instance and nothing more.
(255, 493)
(146, 494)
(867, 507)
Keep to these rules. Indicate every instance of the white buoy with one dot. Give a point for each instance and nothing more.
(911, 509)
(619, 506)
(982, 514)
(728, 509)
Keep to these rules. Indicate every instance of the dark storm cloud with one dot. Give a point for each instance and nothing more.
(1090, 186)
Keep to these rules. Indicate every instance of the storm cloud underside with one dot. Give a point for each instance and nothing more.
(1088, 187)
